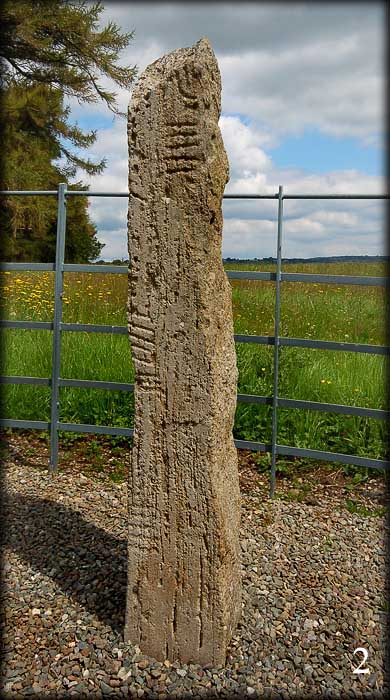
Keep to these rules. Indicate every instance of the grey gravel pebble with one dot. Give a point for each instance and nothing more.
(307, 604)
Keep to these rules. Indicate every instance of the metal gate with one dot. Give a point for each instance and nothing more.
(58, 327)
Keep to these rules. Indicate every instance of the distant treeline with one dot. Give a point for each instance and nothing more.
(331, 258)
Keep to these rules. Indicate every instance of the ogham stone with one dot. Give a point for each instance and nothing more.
(184, 583)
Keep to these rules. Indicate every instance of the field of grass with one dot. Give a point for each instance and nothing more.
(326, 312)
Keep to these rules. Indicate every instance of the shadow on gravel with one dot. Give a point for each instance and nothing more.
(86, 562)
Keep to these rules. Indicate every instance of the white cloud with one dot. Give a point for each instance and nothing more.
(311, 227)
(284, 67)
(110, 215)
(248, 238)
(340, 218)
(116, 241)
(307, 236)
(330, 86)
(243, 145)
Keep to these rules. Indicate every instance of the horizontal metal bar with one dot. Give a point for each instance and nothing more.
(92, 328)
(66, 427)
(33, 193)
(13, 423)
(335, 196)
(333, 457)
(253, 275)
(308, 278)
(251, 196)
(316, 406)
(258, 339)
(240, 444)
(36, 325)
(241, 398)
(248, 196)
(253, 446)
(111, 269)
(79, 383)
(316, 344)
(250, 275)
(335, 408)
(364, 280)
(335, 279)
(98, 429)
(252, 398)
(330, 345)
(86, 193)
(42, 381)
(50, 267)
(33, 267)
(306, 196)
(87, 384)
(288, 451)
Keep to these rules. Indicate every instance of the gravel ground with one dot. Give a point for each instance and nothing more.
(313, 591)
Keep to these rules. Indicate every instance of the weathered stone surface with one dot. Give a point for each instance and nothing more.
(184, 587)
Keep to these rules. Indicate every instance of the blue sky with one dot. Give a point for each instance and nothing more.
(302, 106)
(320, 153)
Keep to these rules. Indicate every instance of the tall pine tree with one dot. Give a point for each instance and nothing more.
(51, 51)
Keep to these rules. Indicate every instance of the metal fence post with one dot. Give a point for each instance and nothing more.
(276, 346)
(56, 353)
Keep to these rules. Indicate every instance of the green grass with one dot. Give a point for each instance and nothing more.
(359, 509)
(327, 312)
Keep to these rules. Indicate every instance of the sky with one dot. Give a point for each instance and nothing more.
(303, 106)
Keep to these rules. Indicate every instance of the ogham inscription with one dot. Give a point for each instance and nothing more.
(184, 586)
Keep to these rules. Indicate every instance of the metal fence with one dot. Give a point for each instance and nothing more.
(57, 327)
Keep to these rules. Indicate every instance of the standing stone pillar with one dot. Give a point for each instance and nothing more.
(184, 583)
